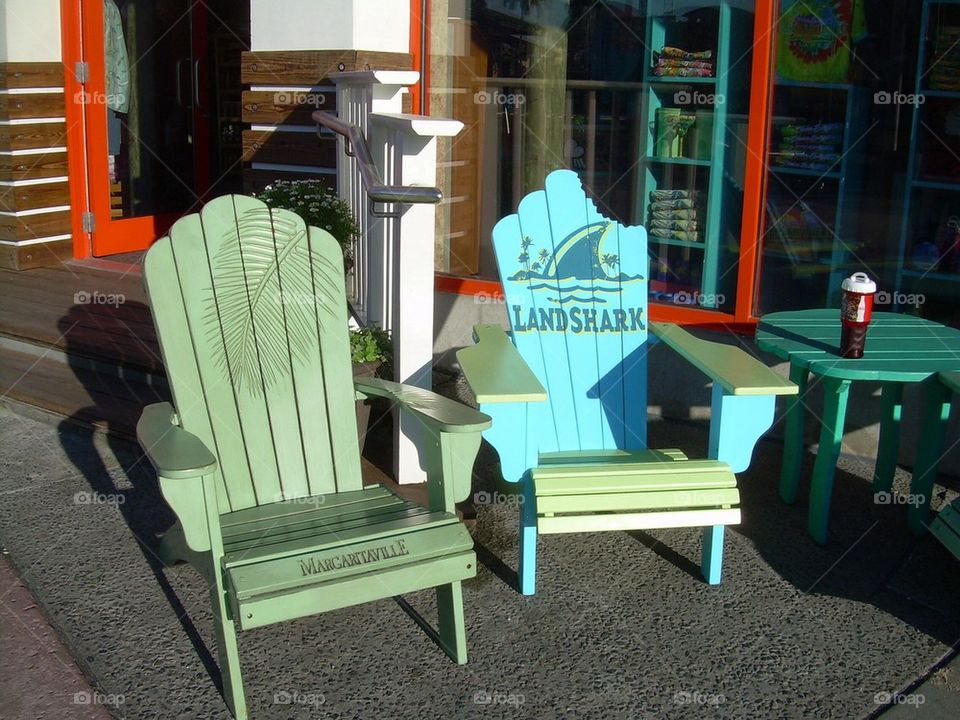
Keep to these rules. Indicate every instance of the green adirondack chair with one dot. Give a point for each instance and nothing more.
(567, 389)
(258, 457)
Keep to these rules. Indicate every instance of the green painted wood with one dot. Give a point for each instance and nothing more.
(636, 521)
(679, 476)
(355, 515)
(951, 380)
(371, 526)
(495, 370)
(592, 457)
(260, 459)
(340, 560)
(173, 452)
(453, 633)
(662, 500)
(267, 514)
(946, 527)
(728, 365)
(900, 348)
(835, 394)
(935, 416)
(888, 447)
(322, 597)
(793, 436)
(440, 413)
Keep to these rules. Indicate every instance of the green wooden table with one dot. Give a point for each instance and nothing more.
(900, 349)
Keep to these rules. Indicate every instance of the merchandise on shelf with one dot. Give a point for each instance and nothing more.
(673, 215)
(675, 62)
(945, 65)
(809, 146)
(815, 39)
(800, 231)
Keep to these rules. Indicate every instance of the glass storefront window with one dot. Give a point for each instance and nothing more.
(646, 100)
(863, 163)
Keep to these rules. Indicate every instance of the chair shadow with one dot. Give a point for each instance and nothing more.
(143, 508)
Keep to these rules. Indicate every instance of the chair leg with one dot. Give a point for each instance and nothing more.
(173, 546)
(528, 540)
(453, 633)
(227, 651)
(712, 559)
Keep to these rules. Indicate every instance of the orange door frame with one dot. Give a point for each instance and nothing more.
(82, 40)
(743, 317)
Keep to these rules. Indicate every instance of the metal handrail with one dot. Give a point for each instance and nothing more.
(375, 187)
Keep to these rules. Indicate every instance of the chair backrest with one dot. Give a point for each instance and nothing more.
(250, 313)
(576, 294)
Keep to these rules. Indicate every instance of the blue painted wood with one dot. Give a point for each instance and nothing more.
(711, 563)
(576, 295)
(736, 423)
(528, 538)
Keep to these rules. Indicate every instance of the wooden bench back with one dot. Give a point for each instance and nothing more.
(576, 295)
(250, 313)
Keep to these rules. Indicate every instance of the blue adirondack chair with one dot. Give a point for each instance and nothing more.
(567, 389)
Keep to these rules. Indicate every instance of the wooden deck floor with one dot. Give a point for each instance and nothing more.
(83, 310)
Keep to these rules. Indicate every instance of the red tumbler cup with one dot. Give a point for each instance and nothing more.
(856, 307)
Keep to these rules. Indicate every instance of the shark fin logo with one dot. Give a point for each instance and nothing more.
(584, 269)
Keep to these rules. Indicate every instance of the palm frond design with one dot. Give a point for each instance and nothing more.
(270, 293)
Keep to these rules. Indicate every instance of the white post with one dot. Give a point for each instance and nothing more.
(411, 145)
(393, 260)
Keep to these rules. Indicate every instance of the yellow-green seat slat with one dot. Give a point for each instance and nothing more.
(658, 500)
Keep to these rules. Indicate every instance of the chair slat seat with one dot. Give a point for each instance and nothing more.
(320, 528)
(632, 477)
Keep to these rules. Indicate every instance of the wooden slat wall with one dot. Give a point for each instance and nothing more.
(31, 151)
(290, 145)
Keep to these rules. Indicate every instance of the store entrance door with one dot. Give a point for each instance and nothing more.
(161, 106)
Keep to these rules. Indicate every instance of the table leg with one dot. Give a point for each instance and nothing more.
(888, 449)
(793, 437)
(835, 394)
(935, 415)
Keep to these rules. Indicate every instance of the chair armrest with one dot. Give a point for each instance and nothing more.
(440, 413)
(172, 451)
(495, 371)
(735, 370)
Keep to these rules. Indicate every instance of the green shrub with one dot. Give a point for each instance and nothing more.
(371, 344)
(318, 207)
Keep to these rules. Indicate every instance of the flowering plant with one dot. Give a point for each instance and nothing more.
(318, 207)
